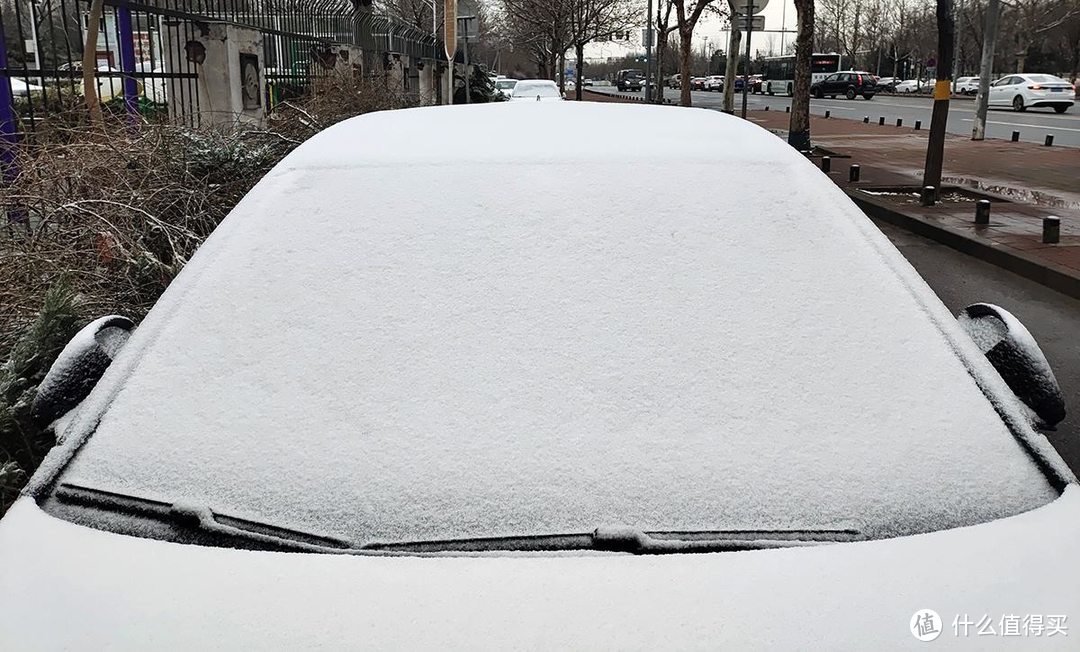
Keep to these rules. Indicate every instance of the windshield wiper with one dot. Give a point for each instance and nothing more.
(197, 524)
(188, 523)
(631, 540)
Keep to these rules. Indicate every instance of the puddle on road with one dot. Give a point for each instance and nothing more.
(913, 197)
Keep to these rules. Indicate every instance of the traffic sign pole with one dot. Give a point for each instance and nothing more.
(648, 55)
(746, 70)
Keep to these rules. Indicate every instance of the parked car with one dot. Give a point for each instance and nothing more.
(911, 86)
(20, 87)
(697, 83)
(755, 84)
(629, 80)
(504, 88)
(453, 420)
(1025, 91)
(714, 83)
(967, 86)
(887, 84)
(674, 81)
(738, 83)
(536, 90)
(850, 84)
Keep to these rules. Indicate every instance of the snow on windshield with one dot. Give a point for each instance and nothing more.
(533, 89)
(378, 346)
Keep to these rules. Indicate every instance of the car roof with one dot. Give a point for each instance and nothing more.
(376, 345)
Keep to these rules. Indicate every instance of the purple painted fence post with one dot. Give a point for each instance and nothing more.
(127, 57)
(8, 135)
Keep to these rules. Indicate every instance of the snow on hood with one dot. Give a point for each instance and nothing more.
(377, 345)
(77, 588)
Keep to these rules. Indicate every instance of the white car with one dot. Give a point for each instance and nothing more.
(714, 83)
(1024, 91)
(967, 85)
(536, 90)
(22, 88)
(910, 86)
(505, 87)
(450, 421)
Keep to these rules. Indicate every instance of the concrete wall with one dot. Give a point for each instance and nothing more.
(224, 95)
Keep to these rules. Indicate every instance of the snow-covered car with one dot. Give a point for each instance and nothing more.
(910, 86)
(536, 90)
(1025, 91)
(505, 88)
(425, 417)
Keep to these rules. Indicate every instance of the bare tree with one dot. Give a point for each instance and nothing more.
(935, 149)
(982, 102)
(591, 20)
(734, 46)
(89, 63)
(799, 125)
(687, 14)
(543, 26)
(664, 28)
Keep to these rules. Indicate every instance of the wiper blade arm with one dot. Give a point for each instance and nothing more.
(629, 540)
(200, 519)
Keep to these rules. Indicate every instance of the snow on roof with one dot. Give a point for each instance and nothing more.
(377, 345)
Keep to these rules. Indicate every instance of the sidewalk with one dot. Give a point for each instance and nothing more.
(1026, 183)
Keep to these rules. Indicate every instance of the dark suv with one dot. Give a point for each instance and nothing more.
(849, 84)
(629, 80)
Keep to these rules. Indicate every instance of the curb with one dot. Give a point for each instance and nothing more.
(1055, 277)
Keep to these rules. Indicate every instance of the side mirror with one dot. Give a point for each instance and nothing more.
(79, 367)
(1012, 350)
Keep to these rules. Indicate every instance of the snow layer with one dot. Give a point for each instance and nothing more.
(377, 345)
(857, 596)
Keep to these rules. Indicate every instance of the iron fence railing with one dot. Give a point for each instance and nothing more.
(139, 57)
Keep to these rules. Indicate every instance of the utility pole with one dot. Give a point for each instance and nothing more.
(993, 10)
(750, 9)
(648, 55)
(935, 150)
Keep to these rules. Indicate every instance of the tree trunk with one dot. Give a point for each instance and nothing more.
(986, 67)
(730, 70)
(561, 71)
(799, 126)
(935, 150)
(685, 52)
(661, 47)
(89, 63)
(579, 51)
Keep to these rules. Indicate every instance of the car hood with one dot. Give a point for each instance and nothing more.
(68, 586)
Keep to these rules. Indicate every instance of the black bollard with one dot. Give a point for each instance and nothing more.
(1049, 141)
(982, 211)
(1051, 230)
(826, 164)
(899, 122)
(828, 114)
(866, 120)
(1016, 137)
(853, 173)
(881, 121)
(787, 109)
(766, 107)
(918, 125)
(927, 196)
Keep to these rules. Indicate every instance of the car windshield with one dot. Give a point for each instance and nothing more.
(534, 89)
(448, 365)
(504, 84)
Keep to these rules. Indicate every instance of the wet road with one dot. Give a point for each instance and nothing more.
(1034, 124)
(1053, 318)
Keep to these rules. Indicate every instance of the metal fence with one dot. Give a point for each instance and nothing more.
(147, 59)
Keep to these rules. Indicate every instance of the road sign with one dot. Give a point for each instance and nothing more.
(450, 28)
(757, 23)
(743, 6)
(647, 37)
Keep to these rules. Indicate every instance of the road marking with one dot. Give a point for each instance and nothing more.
(1022, 124)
